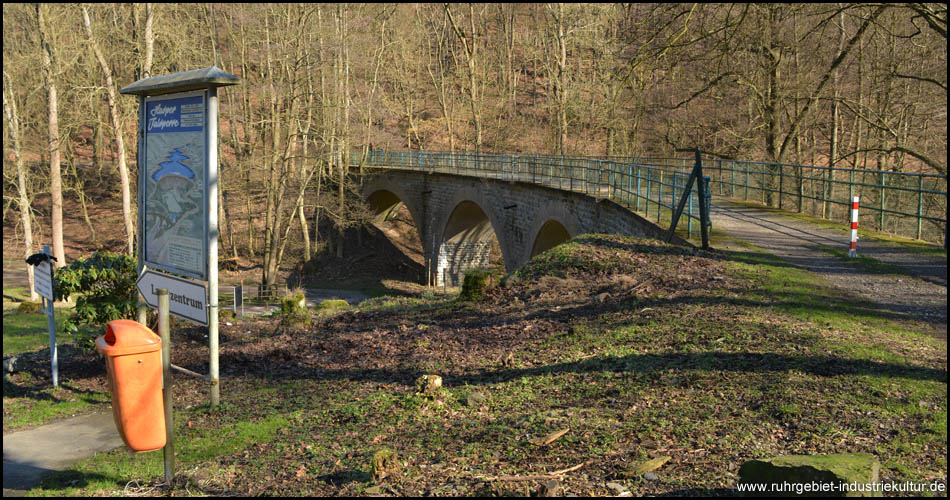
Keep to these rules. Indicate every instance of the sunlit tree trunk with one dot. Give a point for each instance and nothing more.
(13, 121)
(119, 141)
(56, 178)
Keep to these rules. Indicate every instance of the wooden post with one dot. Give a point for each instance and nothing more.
(163, 331)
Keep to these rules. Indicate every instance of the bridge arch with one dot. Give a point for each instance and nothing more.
(466, 237)
(451, 209)
(553, 224)
(385, 199)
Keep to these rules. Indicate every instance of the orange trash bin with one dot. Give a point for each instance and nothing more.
(134, 366)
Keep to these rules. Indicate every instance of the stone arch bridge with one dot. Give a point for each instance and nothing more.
(457, 216)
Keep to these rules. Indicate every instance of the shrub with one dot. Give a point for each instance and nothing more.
(29, 307)
(105, 289)
(477, 282)
(293, 309)
(385, 462)
(333, 305)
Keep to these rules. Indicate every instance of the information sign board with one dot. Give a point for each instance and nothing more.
(175, 180)
(43, 279)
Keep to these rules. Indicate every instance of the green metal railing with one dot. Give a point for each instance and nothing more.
(906, 204)
(912, 205)
(653, 191)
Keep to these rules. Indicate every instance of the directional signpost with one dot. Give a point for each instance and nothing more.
(43, 284)
(187, 299)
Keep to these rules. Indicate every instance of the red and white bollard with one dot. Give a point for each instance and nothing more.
(853, 252)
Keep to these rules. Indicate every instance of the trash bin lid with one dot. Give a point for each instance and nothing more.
(124, 336)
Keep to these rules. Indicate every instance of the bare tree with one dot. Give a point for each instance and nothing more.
(13, 121)
(117, 130)
(470, 46)
(56, 178)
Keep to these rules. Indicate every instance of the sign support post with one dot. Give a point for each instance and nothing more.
(213, 245)
(164, 332)
(178, 185)
(51, 323)
(143, 309)
(45, 287)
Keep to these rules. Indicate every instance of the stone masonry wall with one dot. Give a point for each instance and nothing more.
(516, 210)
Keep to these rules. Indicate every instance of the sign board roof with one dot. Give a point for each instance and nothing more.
(179, 82)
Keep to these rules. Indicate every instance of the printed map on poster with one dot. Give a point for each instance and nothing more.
(175, 204)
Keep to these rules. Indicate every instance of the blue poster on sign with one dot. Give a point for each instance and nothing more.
(176, 218)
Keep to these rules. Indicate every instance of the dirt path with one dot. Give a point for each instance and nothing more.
(921, 293)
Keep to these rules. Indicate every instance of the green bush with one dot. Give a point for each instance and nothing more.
(477, 282)
(29, 307)
(333, 305)
(291, 310)
(104, 285)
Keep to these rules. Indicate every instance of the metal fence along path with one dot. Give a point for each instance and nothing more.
(906, 204)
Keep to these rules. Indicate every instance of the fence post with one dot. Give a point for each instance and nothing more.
(880, 226)
(639, 176)
(703, 192)
(646, 203)
(720, 176)
(746, 197)
(629, 182)
(673, 199)
(659, 197)
(781, 184)
(733, 170)
(689, 214)
(801, 186)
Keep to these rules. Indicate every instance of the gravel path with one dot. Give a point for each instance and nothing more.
(921, 293)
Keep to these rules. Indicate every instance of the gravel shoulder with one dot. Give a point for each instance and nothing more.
(921, 293)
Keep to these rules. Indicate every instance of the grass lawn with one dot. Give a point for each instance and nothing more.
(28, 396)
(601, 354)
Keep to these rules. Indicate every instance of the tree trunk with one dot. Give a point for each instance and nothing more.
(119, 141)
(56, 178)
(149, 42)
(9, 107)
(471, 52)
